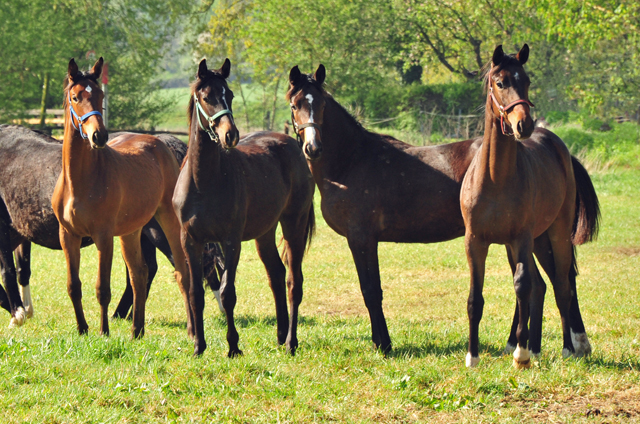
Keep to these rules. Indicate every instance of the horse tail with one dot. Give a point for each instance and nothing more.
(587, 218)
(309, 232)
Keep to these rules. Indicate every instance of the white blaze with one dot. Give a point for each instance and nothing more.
(310, 132)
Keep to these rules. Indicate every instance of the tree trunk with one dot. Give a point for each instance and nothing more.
(275, 102)
(43, 103)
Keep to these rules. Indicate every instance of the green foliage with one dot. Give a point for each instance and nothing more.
(40, 36)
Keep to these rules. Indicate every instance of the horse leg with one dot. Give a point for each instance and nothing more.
(365, 255)
(171, 228)
(521, 251)
(294, 246)
(132, 253)
(9, 278)
(71, 247)
(538, 291)
(268, 253)
(194, 295)
(23, 269)
(126, 301)
(476, 257)
(544, 253)
(228, 293)
(104, 244)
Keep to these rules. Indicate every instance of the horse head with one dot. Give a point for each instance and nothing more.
(306, 98)
(211, 101)
(83, 97)
(508, 86)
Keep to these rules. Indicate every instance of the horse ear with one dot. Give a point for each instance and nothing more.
(72, 71)
(320, 74)
(498, 55)
(523, 54)
(202, 69)
(97, 68)
(294, 75)
(225, 70)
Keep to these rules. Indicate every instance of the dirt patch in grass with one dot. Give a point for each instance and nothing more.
(616, 406)
(628, 250)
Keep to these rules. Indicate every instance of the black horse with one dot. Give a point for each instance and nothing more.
(30, 163)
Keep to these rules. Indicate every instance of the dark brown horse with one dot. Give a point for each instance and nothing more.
(228, 193)
(30, 164)
(522, 190)
(111, 189)
(375, 188)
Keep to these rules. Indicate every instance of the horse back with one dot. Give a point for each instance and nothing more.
(276, 179)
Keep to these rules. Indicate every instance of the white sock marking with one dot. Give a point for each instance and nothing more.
(472, 361)
(25, 294)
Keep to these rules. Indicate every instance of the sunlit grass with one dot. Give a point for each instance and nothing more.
(50, 374)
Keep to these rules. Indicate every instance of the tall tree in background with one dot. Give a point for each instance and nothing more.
(40, 36)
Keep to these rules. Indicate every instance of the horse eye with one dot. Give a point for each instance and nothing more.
(499, 84)
(75, 99)
(293, 107)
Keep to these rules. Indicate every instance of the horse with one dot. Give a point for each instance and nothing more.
(230, 191)
(112, 189)
(30, 163)
(523, 190)
(375, 188)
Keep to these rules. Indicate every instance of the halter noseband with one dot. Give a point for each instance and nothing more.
(297, 128)
(80, 119)
(504, 110)
(210, 119)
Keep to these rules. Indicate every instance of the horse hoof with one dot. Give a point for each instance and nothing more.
(18, 318)
(291, 348)
(580, 344)
(567, 353)
(233, 353)
(509, 349)
(472, 361)
(216, 293)
(521, 365)
(29, 310)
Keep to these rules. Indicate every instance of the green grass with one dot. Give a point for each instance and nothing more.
(50, 374)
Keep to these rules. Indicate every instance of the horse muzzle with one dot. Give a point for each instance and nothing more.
(98, 139)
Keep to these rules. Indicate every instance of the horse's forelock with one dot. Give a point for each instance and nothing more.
(302, 82)
(488, 68)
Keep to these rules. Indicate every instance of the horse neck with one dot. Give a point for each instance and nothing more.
(341, 138)
(78, 159)
(498, 153)
(205, 158)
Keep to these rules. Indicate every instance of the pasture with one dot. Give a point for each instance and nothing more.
(51, 374)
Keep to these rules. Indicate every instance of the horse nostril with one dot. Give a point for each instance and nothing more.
(520, 127)
(94, 137)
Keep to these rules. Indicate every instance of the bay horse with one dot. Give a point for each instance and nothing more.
(111, 189)
(231, 191)
(30, 164)
(375, 188)
(522, 189)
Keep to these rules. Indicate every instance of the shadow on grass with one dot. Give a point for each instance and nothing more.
(441, 348)
(246, 321)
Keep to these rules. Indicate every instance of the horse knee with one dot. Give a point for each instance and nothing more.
(475, 306)
(74, 289)
(372, 297)
(522, 282)
(103, 294)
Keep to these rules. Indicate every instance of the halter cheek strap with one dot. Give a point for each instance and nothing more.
(80, 119)
(504, 110)
(210, 119)
(297, 128)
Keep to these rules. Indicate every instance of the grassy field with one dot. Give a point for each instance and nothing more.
(50, 374)
(53, 375)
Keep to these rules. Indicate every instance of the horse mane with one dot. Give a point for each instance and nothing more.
(306, 80)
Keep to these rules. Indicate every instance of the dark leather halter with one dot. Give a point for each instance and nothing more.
(297, 128)
(504, 110)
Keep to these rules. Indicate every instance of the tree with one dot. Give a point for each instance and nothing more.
(40, 36)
